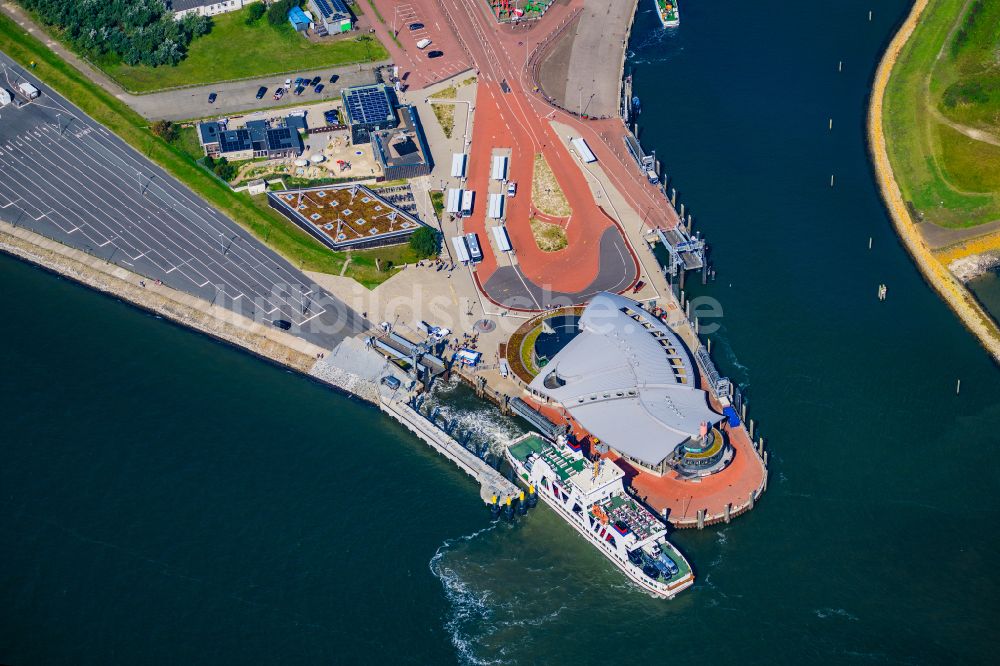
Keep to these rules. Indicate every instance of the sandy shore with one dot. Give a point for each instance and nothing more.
(951, 289)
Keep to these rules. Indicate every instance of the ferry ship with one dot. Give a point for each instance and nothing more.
(670, 15)
(592, 498)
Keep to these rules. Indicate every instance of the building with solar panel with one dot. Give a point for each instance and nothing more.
(368, 109)
(334, 16)
(258, 138)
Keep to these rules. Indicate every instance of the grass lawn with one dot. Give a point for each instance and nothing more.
(234, 50)
(548, 237)
(946, 177)
(252, 213)
(437, 200)
(445, 114)
(545, 191)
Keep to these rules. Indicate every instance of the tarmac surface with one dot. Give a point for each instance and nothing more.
(68, 178)
(509, 287)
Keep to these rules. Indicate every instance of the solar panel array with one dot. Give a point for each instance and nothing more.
(327, 7)
(368, 105)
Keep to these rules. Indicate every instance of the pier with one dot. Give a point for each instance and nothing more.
(355, 367)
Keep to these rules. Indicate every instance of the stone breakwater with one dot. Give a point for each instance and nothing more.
(950, 288)
(975, 265)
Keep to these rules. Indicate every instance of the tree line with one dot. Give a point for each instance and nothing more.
(137, 32)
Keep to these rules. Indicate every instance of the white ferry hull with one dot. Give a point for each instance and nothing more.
(661, 591)
(634, 573)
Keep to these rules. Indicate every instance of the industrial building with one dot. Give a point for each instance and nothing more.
(627, 379)
(369, 108)
(402, 151)
(345, 216)
(258, 138)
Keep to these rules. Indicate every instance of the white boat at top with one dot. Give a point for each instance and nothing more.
(592, 498)
(670, 15)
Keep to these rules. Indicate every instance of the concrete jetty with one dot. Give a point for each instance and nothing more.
(358, 369)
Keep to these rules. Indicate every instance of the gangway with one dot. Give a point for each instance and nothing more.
(685, 252)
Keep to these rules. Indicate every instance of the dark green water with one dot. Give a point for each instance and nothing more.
(164, 499)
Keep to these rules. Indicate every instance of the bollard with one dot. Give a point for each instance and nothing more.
(701, 519)
(751, 430)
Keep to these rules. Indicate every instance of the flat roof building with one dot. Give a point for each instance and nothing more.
(334, 16)
(258, 138)
(629, 380)
(345, 216)
(402, 151)
(369, 108)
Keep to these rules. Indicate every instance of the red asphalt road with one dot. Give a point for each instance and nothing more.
(519, 120)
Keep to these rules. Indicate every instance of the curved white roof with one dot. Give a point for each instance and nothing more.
(629, 380)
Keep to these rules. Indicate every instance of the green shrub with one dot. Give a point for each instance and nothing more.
(255, 12)
(424, 242)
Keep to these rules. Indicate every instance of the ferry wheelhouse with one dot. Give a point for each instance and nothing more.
(592, 498)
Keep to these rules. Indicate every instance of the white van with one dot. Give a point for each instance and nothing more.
(423, 43)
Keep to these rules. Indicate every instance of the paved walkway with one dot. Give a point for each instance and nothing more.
(192, 103)
(583, 70)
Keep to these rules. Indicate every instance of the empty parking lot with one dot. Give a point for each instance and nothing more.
(68, 178)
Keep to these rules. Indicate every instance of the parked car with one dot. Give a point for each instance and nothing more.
(288, 83)
(298, 91)
(511, 189)
(212, 97)
(299, 81)
(435, 54)
(331, 118)
(333, 78)
(279, 93)
(261, 92)
(283, 324)
(423, 43)
(318, 89)
(315, 81)
(416, 26)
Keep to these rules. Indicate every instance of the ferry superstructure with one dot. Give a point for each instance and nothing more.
(670, 15)
(592, 498)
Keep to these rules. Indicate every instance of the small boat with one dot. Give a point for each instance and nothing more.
(670, 15)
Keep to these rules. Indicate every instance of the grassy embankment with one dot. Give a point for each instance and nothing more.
(549, 237)
(944, 86)
(546, 194)
(234, 50)
(253, 213)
